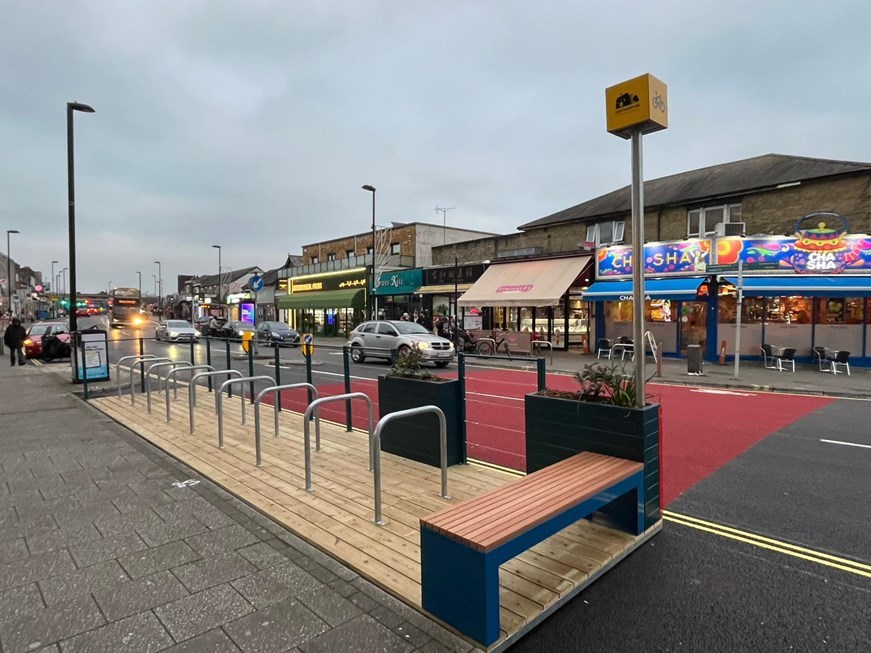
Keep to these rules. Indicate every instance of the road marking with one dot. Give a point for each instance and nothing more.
(710, 391)
(848, 444)
(778, 546)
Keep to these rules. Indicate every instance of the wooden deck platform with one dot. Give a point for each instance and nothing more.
(337, 516)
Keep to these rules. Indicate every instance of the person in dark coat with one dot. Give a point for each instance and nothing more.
(14, 339)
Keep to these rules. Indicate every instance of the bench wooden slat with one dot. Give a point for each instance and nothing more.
(485, 522)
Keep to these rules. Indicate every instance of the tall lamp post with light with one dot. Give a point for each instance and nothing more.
(371, 189)
(9, 283)
(220, 280)
(54, 288)
(71, 191)
(159, 288)
(140, 287)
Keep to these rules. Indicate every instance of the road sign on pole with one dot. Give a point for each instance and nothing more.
(256, 283)
(308, 345)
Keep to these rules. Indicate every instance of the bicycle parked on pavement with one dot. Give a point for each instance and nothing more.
(492, 345)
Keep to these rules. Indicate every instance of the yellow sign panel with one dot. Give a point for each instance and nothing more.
(307, 346)
(639, 102)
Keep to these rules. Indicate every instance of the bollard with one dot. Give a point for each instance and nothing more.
(229, 365)
(542, 374)
(193, 362)
(277, 375)
(346, 368)
(251, 367)
(141, 367)
(308, 372)
(209, 357)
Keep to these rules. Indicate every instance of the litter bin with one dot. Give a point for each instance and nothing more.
(694, 359)
(89, 355)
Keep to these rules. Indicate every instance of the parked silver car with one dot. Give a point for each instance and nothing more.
(176, 330)
(378, 339)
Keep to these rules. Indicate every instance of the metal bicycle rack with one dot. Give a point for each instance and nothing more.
(140, 360)
(172, 374)
(162, 359)
(192, 394)
(376, 441)
(277, 389)
(538, 344)
(219, 404)
(172, 364)
(307, 431)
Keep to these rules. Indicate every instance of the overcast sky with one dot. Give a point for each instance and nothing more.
(253, 124)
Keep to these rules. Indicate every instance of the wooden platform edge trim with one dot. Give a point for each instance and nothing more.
(512, 639)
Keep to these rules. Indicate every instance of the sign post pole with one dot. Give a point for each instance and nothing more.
(638, 264)
(740, 301)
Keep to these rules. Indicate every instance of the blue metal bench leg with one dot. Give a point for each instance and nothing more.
(627, 509)
(460, 586)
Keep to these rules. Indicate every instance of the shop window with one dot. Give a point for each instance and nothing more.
(840, 310)
(605, 233)
(703, 222)
(752, 310)
(790, 310)
(394, 248)
(660, 310)
(618, 312)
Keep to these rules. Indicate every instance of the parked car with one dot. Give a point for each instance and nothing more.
(277, 334)
(378, 339)
(40, 330)
(234, 329)
(175, 330)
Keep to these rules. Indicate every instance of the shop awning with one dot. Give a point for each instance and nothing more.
(442, 289)
(525, 283)
(684, 288)
(350, 298)
(808, 286)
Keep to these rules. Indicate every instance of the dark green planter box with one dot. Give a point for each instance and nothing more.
(417, 438)
(557, 429)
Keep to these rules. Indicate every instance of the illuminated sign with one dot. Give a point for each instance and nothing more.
(353, 279)
(679, 257)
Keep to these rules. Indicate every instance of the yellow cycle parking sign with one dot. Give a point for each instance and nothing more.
(308, 345)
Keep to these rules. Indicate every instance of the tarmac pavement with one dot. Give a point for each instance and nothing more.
(107, 544)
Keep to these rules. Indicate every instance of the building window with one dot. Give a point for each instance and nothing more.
(369, 250)
(703, 222)
(349, 253)
(315, 260)
(331, 256)
(394, 248)
(605, 233)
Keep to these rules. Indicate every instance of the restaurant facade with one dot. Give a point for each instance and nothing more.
(810, 289)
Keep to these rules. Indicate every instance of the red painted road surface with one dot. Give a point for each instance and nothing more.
(703, 428)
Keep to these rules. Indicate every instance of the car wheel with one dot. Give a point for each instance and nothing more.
(403, 349)
(441, 363)
(357, 354)
(156, 335)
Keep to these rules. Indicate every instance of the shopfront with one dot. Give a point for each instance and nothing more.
(396, 293)
(538, 299)
(329, 304)
(442, 287)
(804, 291)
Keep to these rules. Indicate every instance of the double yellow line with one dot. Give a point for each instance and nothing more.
(770, 544)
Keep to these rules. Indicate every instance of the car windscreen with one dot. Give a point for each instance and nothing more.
(410, 327)
(37, 330)
(177, 324)
(281, 328)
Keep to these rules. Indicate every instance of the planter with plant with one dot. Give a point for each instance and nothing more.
(600, 416)
(409, 385)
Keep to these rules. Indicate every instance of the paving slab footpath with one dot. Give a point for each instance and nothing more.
(104, 547)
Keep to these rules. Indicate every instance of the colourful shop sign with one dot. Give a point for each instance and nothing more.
(821, 245)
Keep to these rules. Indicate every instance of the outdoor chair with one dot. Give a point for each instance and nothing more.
(604, 346)
(768, 357)
(823, 361)
(625, 346)
(786, 356)
(840, 359)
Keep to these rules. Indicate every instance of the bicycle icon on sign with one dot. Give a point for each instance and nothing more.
(658, 102)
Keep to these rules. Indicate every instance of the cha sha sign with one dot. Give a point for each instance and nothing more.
(819, 248)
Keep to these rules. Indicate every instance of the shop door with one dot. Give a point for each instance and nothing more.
(693, 325)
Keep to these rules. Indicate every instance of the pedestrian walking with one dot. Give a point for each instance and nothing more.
(14, 339)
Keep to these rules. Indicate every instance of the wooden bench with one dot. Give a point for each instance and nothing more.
(463, 546)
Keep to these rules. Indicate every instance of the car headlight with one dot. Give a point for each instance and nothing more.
(451, 346)
(28, 342)
(423, 345)
(173, 334)
(276, 335)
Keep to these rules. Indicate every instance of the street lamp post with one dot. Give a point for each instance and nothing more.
(140, 288)
(9, 283)
(71, 191)
(159, 288)
(54, 288)
(220, 280)
(371, 189)
(64, 279)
